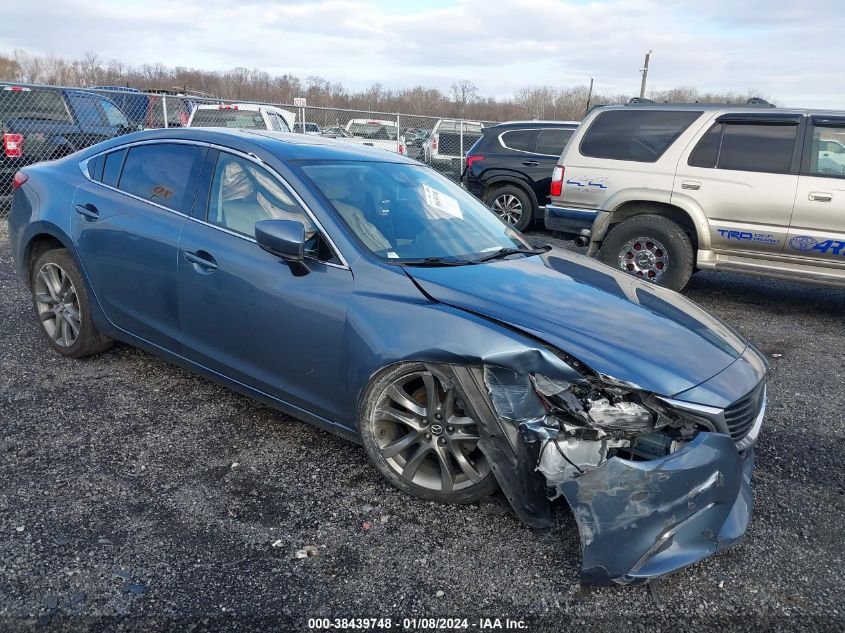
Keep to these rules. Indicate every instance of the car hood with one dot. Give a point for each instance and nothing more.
(617, 325)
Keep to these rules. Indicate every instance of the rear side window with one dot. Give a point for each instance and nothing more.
(111, 170)
(707, 150)
(521, 140)
(165, 173)
(552, 141)
(638, 135)
(766, 148)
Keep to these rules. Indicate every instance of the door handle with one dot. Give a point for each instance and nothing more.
(820, 196)
(530, 163)
(88, 211)
(691, 184)
(201, 259)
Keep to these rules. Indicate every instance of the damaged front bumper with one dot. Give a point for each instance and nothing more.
(642, 519)
(638, 519)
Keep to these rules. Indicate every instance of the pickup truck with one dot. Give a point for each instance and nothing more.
(448, 144)
(376, 133)
(147, 111)
(42, 124)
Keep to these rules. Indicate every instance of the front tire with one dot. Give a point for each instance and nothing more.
(512, 205)
(652, 248)
(62, 306)
(417, 435)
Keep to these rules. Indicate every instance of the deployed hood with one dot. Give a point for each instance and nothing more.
(617, 325)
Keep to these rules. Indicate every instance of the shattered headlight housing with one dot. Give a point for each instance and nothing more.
(544, 407)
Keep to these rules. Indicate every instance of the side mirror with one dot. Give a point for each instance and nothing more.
(283, 238)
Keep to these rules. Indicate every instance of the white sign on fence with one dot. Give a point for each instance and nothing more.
(299, 102)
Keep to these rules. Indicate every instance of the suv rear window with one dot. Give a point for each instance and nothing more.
(638, 135)
(228, 117)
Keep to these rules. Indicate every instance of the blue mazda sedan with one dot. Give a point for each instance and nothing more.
(362, 292)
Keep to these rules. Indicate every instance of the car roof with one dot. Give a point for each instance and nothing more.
(284, 145)
(739, 108)
(532, 124)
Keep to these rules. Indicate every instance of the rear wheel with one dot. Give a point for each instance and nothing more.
(418, 435)
(512, 205)
(62, 306)
(652, 248)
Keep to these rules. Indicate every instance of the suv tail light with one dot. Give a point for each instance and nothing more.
(13, 145)
(434, 140)
(557, 181)
(474, 158)
(18, 180)
(402, 147)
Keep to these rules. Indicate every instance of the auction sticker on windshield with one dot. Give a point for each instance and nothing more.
(442, 202)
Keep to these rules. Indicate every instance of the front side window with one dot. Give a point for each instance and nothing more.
(114, 116)
(86, 110)
(165, 173)
(827, 157)
(552, 141)
(520, 140)
(638, 135)
(753, 147)
(243, 193)
(403, 212)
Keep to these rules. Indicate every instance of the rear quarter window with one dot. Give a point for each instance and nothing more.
(521, 140)
(637, 135)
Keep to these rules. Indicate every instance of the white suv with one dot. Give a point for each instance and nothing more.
(244, 116)
(663, 190)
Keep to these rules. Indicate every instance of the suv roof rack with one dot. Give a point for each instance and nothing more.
(753, 101)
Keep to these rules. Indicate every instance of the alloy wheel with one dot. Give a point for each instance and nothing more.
(645, 257)
(426, 437)
(58, 305)
(508, 207)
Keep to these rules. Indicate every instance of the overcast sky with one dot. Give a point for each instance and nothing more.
(792, 51)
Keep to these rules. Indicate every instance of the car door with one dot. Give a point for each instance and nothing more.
(547, 149)
(246, 314)
(817, 229)
(126, 221)
(743, 173)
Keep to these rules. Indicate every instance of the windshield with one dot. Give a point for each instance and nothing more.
(406, 212)
(241, 119)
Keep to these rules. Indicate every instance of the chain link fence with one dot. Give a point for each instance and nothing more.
(42, 123)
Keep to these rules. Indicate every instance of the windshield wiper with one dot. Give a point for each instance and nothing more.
(436, 261)
(504, 252)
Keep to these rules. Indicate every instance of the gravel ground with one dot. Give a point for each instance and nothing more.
(135, 495)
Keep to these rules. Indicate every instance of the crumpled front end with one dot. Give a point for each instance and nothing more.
(639, 520)
(655, 484)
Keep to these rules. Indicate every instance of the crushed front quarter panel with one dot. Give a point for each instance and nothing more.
(642, 519)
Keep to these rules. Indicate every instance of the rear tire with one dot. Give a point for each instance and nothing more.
(651, 247)
(62, 306)
(419, 438)
(512, 205)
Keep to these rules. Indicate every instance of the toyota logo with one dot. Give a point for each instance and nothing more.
(803, 242)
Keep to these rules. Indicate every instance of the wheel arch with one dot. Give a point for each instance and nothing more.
(43, 237)
(690, 218)
(495, 182)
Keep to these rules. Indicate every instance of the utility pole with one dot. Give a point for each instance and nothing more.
(644, 71)
(589, 97)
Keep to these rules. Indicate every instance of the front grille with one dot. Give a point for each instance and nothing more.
(741, 414)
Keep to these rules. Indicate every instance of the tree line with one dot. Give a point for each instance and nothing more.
(463, 99)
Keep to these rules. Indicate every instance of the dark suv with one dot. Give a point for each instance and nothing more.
(510, 167)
